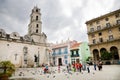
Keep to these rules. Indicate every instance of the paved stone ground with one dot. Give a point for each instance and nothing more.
(109, 72)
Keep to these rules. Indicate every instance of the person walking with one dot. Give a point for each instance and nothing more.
(88, 68)
(94, 64)
(99, 65)
(80, 67)
(58, 68)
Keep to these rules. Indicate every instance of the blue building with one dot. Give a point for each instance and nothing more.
(61, 53)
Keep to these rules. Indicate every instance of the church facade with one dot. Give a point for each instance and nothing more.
(29, 50)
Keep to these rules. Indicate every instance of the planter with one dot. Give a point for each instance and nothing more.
(4, 77)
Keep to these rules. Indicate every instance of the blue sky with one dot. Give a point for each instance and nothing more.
(61, 19)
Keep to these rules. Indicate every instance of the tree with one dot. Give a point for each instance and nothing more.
(8, 68)
(106, 56)
(89, 58)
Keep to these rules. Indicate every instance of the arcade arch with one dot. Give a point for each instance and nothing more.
(96, 54)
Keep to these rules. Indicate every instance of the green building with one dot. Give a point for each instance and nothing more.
(79, 52)
(84, 51)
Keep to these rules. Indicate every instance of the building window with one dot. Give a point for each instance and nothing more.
(36, 10)
(118, 21)
(98, 27)
(109, 31)
(106, 19)
(59, 51)
(36, 17)
(101, 39)
(65, 51)
(108, 25)
(93, 35)
(37, 25)
(54, 52)
(94, 41)
(111, 37)
(65, 56)
(100, 34)
(76, 51)
(66, 62)
(36, 30)
(91, 29)
(72, 53)
(15, 35)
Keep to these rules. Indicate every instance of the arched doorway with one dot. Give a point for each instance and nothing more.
(114, 52)
(96, 54)
(103, 50)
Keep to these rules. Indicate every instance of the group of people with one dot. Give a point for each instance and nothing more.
(99, 65)
(74, 67)
(77, 67)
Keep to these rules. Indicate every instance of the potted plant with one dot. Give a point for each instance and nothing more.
(7, 69)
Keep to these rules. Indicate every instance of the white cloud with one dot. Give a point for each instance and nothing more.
(69, 5)
(61, 19)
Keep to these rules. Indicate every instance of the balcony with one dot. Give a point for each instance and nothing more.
(77, 55)
(104, 28)
(105, 41)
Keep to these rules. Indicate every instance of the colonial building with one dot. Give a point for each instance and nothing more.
(61, 53)
(79, 52)
(29, 50)
(74, 53)
(104, 35)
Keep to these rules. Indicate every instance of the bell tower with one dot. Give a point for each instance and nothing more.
(35, 22)
(35, 26)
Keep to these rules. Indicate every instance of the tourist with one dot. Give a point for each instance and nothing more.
(99, 65)
(73, 67)
(80, 67)
(88, 68)
(58, 68)
(68, 68)
(46, 68)
(94, 65)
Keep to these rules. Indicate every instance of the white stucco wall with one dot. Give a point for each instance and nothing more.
(9, 49)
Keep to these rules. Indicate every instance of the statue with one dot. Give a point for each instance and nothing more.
(36, 58)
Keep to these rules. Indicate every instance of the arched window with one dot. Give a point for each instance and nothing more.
(36, 17)
(37, 25)
(36, 30)
(36, 10)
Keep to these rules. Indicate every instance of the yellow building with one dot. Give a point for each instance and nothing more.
(104, 35)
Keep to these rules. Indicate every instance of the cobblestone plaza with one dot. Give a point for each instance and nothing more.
(109, 72)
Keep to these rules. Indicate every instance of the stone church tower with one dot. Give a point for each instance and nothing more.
(35, 27)
(29, 50)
